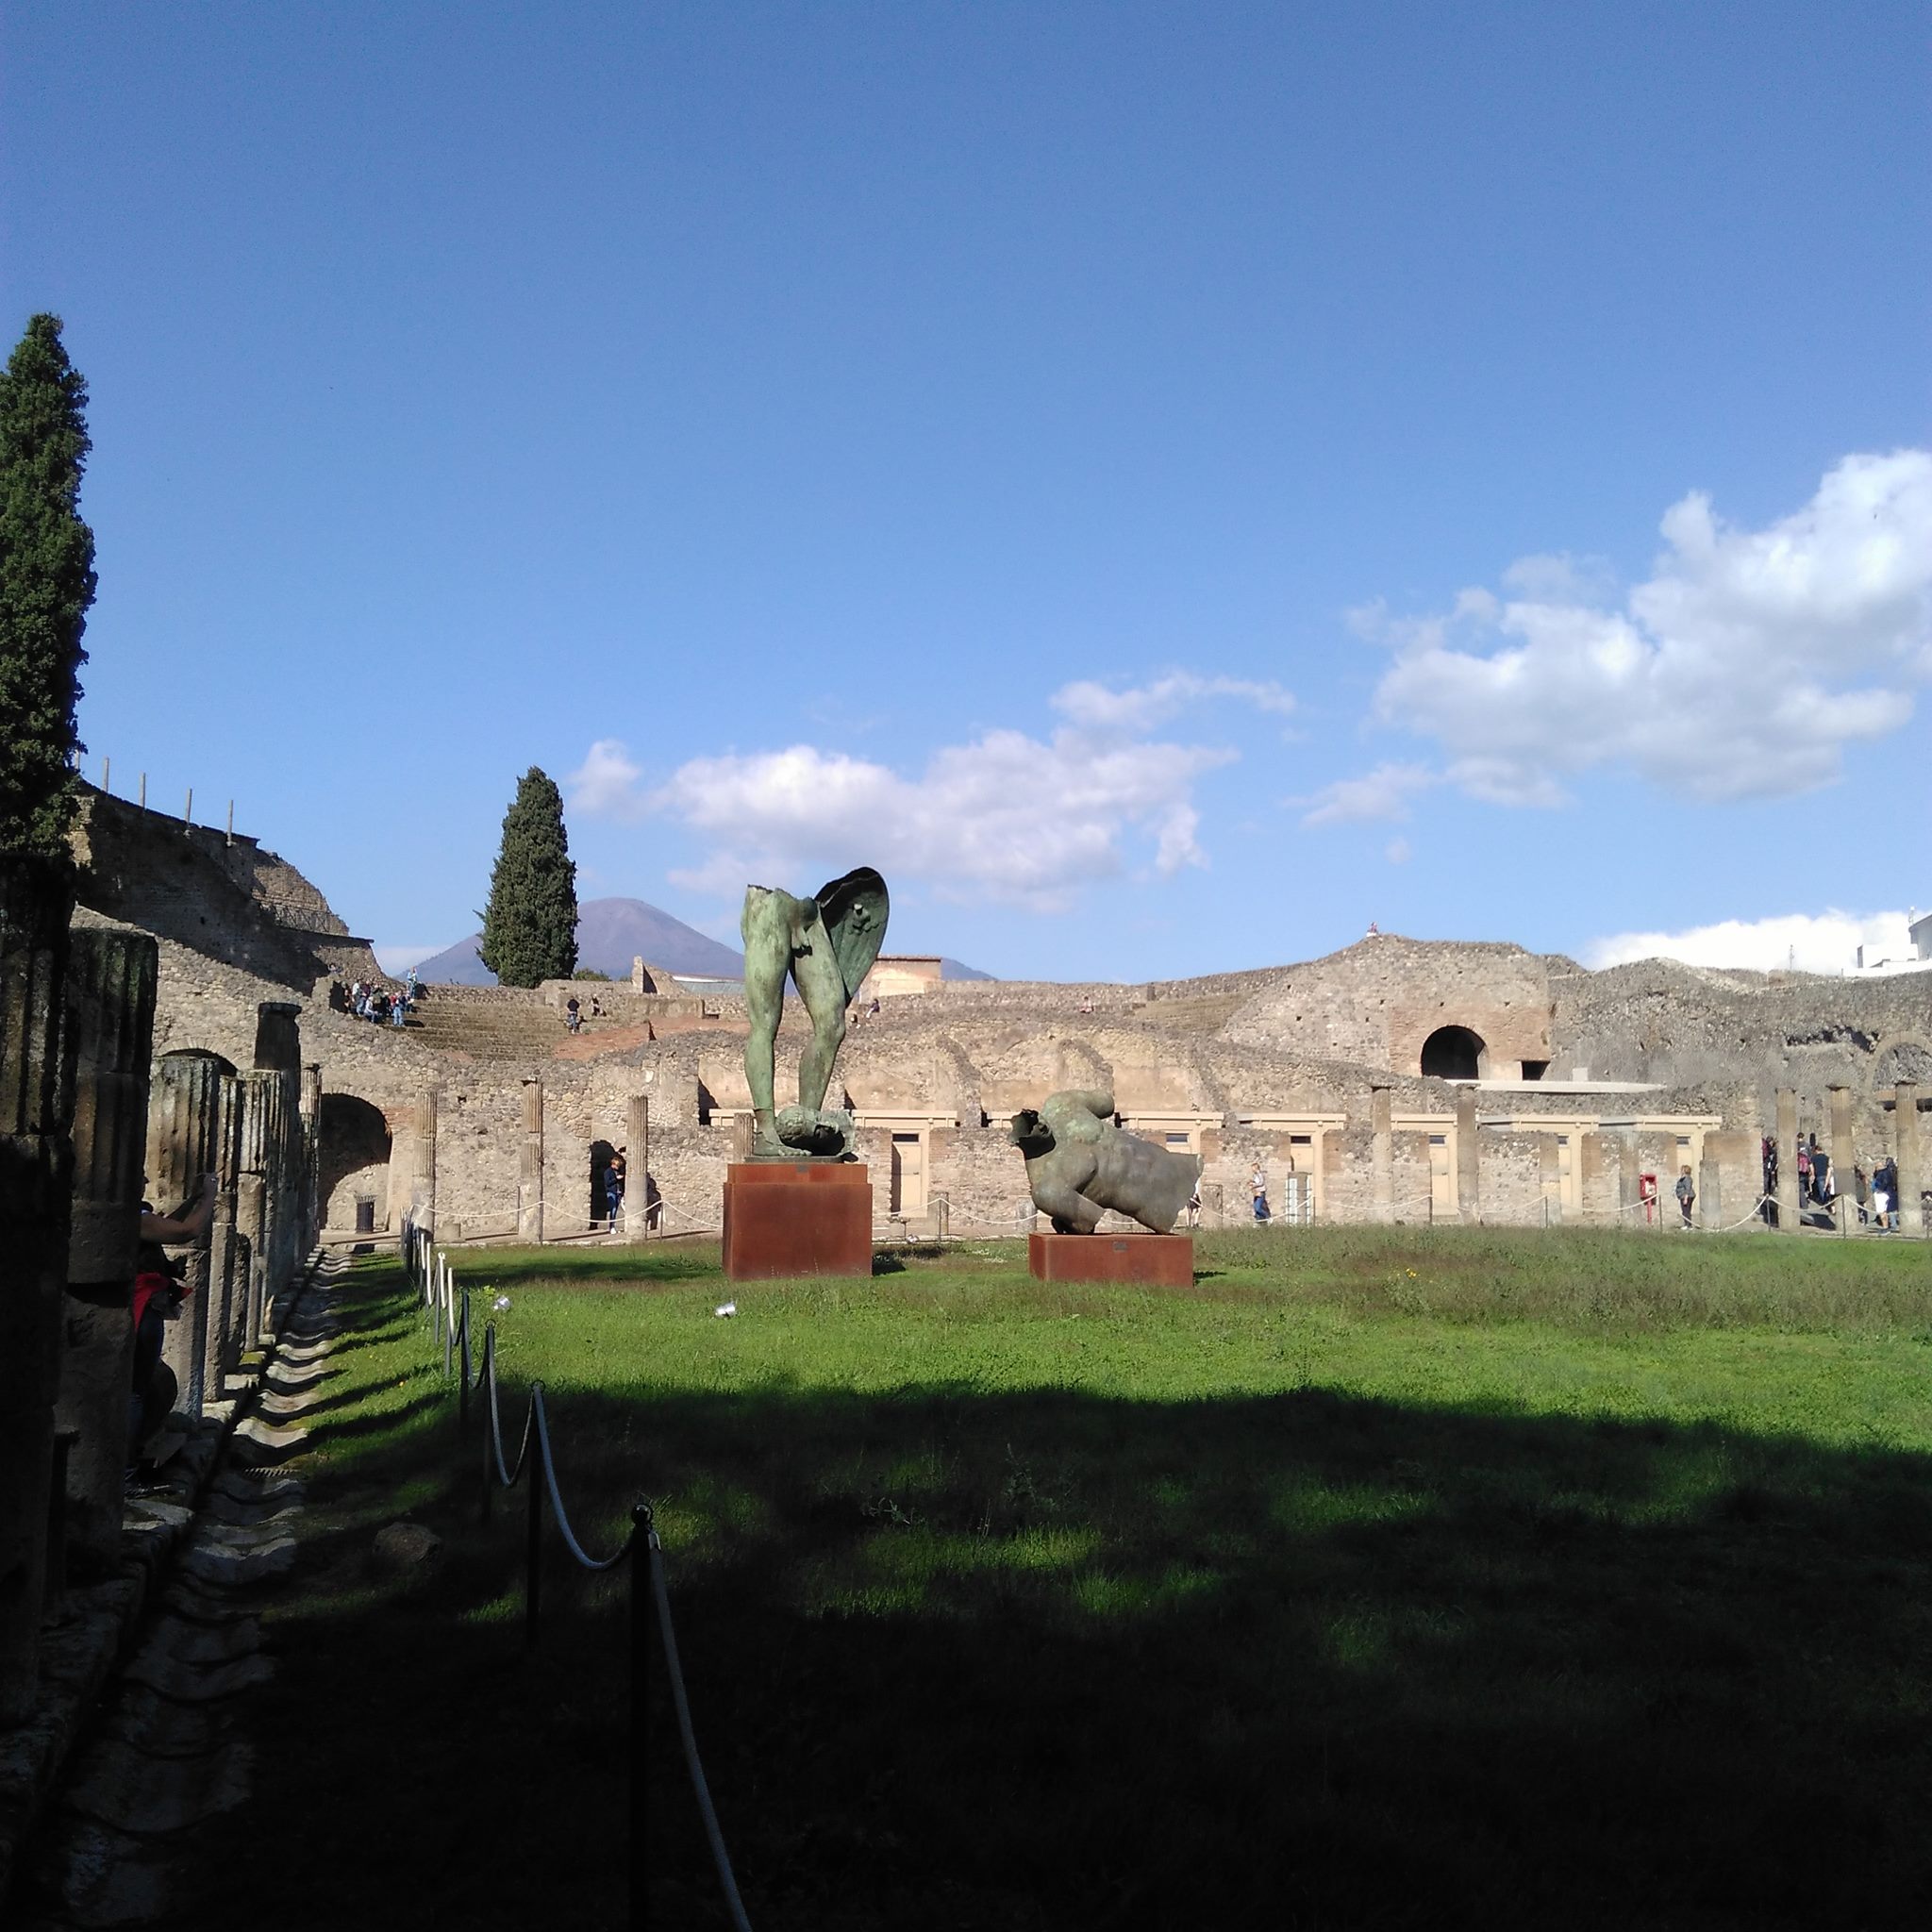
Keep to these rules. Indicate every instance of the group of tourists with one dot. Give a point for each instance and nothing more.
(1875, 1197)
(380, 1005)
(574, 1015)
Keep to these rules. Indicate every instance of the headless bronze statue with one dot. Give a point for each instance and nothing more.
(827, 945)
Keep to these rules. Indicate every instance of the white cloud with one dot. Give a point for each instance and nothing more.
(1006, 816)
(400, 959)
(1814, 941)
(1397, 852)
(1141, 707)
(1383, 794)
(1741, 668)
(606, 784)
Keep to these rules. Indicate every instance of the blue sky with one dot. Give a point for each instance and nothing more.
(1167, 485)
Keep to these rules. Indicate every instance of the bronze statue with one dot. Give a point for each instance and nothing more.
(827, 943)
(1079, 1163)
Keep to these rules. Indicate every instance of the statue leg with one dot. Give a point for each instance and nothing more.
(820, 985)
(766, 927)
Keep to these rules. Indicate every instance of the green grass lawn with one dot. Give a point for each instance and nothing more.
(1388, 1578)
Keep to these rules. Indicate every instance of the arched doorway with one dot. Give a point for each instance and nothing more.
(601, 1154)
(354, 1157)
(1454, 1053)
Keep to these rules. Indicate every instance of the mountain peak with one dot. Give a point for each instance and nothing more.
(610, 934)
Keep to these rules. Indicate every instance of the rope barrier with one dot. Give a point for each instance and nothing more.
(682, 1705)
(434, 1280)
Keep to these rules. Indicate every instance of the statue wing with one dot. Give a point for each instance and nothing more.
(855, 910)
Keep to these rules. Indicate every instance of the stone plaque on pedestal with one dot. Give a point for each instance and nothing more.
(787, 1219)
(1151, 1260)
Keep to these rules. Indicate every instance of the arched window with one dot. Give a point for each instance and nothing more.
(1454, 1053)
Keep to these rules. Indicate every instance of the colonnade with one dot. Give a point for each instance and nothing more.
(90, 1127)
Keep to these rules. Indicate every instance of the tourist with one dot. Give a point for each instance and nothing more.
(1686, 1194)
(1194, 1207)
(1885, 1194)
(573, 1014)
(1257, 1185)
(613, 1188)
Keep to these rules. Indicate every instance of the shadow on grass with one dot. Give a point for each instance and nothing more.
(1038, 1658)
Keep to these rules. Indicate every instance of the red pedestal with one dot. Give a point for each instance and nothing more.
(1157, 1261)
(784, 1219)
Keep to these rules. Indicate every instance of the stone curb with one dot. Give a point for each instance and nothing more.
(102, 1625)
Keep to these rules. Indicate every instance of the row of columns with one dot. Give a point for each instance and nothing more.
(1841, 1146)
(1717, 1204)
(88, 1129)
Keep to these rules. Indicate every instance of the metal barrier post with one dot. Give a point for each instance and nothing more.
(463, 1372)
(492, 1425)
(641, 1536)
(533, 1544)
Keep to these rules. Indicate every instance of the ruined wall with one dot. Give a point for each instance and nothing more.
(1228, 1057)
(1374, 1003)
(1749, 1034)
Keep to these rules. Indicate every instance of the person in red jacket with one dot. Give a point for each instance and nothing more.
(157, 1294)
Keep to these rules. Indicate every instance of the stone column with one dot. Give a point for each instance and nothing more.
(251, 1199)
(279, 1036)
(261, 1148)
(1629, 1183)
(1549, 1165)
(36, 1180)
(311, 1154)
(1381, 1152)
(111, 992)
(637, 1176)
(1906, 1147)
(1467, 1159)
(1711, 1179)
(218, 1311)
(279, 1052)
(1788, 1160)
(1845, 1188)
(424, 1181)
(530, 1166)
(227, 1267)
(183, 1123)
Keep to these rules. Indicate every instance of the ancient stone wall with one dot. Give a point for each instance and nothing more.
(1375, 1004)
(1659, 1021)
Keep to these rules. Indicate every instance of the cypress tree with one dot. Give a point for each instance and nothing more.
(531, 924)
(46, 584)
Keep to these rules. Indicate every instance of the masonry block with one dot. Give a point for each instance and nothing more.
(1151, 1260)
(784, 1219)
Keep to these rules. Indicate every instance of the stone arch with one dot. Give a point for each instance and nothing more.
(1903, 1057)
(1455, 1053)
(219, 1061)
(355, 1150)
